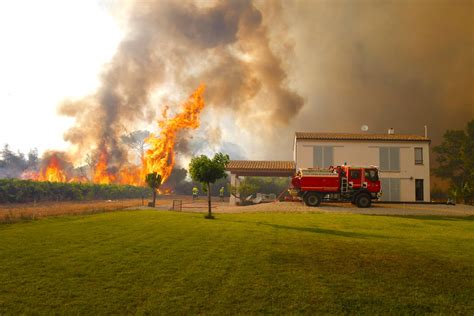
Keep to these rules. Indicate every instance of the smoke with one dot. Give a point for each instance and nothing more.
(170, 47)
(400, 64)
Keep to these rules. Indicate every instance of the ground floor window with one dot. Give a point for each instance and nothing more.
(390, 189)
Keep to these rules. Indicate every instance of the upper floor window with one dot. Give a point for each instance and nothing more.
(389, 158)
(323, 156)
(418, 156)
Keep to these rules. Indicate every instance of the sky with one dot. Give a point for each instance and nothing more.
(49, 51)
(271, 68)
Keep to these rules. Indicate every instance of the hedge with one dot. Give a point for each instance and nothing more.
(23, 191)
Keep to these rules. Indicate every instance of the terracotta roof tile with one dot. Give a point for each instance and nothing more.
(360, 136)
(261, 165)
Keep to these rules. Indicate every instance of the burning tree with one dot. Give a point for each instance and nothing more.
(207, 171)
(160, 157)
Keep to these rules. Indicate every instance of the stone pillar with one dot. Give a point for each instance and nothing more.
(234, 182)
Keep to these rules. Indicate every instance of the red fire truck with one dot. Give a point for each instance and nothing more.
(358, 185)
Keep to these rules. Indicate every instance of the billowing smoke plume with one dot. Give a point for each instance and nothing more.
(170, 48)
(400, 64)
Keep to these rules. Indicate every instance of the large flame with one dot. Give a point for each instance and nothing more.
(159, 158)
(101, 174)
(53, 171)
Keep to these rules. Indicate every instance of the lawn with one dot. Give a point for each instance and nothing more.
(166, 262)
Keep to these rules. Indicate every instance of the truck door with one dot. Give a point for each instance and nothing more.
(355, 178)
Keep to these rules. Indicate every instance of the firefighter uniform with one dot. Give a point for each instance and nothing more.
(221, 194)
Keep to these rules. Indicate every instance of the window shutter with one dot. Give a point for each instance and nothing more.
(385, 189)
(394, 189)
(418, 156)
(317, 156)
(383, 163)
(394, 159)
(328, 156)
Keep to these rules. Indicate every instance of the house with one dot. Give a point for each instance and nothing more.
(403, 160)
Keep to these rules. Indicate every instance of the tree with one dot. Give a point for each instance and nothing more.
(208, 171)
(456, 162)
(136, 141)
(153, 180)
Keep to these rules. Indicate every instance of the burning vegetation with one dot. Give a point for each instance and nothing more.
(159, 157)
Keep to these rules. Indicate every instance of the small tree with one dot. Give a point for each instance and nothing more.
(207, 171)
(153, 180)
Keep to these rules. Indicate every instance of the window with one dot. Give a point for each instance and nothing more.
(323, 156)
(390, 189)
(354, 174)
(371, 175)
(418, 156)
(389, 158)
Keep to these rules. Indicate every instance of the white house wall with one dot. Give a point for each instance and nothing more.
(359, 153)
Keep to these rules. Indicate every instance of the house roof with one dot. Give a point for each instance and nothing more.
(261, 167)
(361, 137)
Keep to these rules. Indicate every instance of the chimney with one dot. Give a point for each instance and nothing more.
(426, 131)
(391, 131)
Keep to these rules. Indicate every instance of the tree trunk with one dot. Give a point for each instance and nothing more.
(154, 197)
(209, 199)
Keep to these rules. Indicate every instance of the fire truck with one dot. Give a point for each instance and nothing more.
(358, 185)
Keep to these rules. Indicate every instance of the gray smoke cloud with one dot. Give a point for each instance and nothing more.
(224, 44)
(400, 64)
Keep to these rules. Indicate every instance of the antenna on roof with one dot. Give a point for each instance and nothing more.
(364, 128)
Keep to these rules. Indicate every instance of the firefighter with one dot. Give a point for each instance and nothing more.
(195, 192)
(221, 194)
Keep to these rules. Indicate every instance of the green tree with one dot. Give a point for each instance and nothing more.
(153, 180)
(456, 162)
(208, 171)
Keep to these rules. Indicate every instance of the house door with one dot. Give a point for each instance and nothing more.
(419, 190)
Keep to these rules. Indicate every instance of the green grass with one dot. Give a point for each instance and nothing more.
(164, 262)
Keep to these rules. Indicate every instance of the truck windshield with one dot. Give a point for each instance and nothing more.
(371, 174)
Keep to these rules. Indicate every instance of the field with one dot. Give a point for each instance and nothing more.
(10, 213)
(152, 261)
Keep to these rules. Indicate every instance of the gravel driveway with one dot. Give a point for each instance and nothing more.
(376, 209)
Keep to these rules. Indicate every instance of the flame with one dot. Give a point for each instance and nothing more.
(166, 191)
(131, 175)
(160, 156)
(101, 174)
(53, 171)
(79, 179)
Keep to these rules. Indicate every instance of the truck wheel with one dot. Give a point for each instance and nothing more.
(363, 200)
(312, 199)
